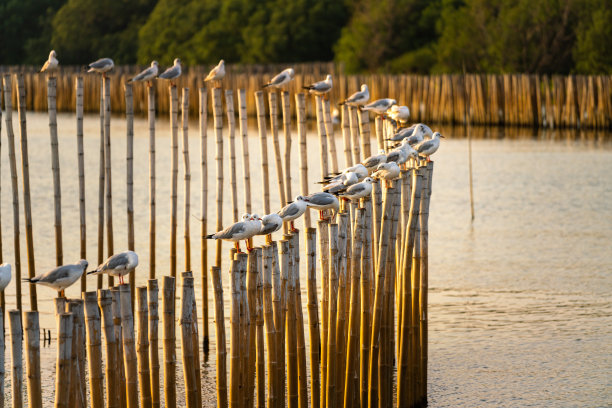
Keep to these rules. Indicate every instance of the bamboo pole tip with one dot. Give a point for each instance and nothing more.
(89, 296)
(187, 274)
(152, 284)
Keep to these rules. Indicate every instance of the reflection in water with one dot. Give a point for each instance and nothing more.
(521, 299)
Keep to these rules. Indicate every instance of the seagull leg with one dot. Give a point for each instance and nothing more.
(292, 229)
(269, 239)
(321, 216)
(249, 248)
(61, 294)
(237, 246)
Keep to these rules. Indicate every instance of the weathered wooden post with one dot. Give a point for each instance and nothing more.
(263, 143)
(244, 132)
(2, 372)
(286, 104)
(64, 350)
(300, 101)
(272, 100)
(142, 347)
(173, 92)
(105, 301)
(222, 401)
(32, 340)
(187, 178)
(152, 295)
(107, 173)
(81, 164)
(152, 165)
(331, 140)
(129, 173)
(57, 190)
(101, 185)
(231, 121)
(269, 323)
(169, 338)
(203, 106)
(121, 380)
(235, 396)
(218, 119)
(94, 349)
(187, 323)
(313, 317)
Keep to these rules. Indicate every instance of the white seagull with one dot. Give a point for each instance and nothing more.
(360, 169)
(401, 154)
(148, 74)
(173, 72)
(359, 190)
(101, 66)
(5, 275)
(281, 79)
(61, 277)
(372, 162)
(323, 201)
(321, 87)
(217, 73)
(342, 183)
(293, 210)
(270, 223)
(380, 106)
(241, 230)
(387, 171)
(415, 133)
(118, 265)
(428, 147)
(51, 64)
(399, 113)
(358, 98)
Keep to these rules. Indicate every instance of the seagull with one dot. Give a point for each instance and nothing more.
(321, 87)
(118, 265)
(341, 184)
(387, 171)
(173, 72)
(101, 66)
(5, 275)
(241, 230)
(428, 147)
(217, 73)
(293, 210)
(359, 190)
(358, 98)
(323, 201)
(335, 116)
(270, 223)
(398, 113)
(380, 106)
(359, 169)
(401, 154)
(147, 74)
(373, 161)
(61, 277)
(281, 79)
(415, 133)
(51, 64)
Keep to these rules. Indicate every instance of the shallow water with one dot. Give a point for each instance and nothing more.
(520, 299)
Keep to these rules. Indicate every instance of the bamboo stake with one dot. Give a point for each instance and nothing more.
(301, 341)
(2, 370)
(331, 393)
(290, 326)
(129, 117)
(152, 202)
(101, 184)
(300, 101)
(272, 100)
(2, 299)
(331, 140)
(16, 358)
(94, 349)
(142, 348)
(107, 173)
(64, 349)
(354, 128)
(234, 384)
(269, 322)
(364, 131)
(247, 370)
(322, 136)
(259, 321)
(244, 133)
(346, 135)
(57, 191)
(187, 178)
(76, 397)
(340, 321)
(261, 125)
(169, 338)
(218, 119)
(152, 295)
(286, 103)
(222, 401)
(8, 109)
(187, 323)
(121, 378)
(424, 285)
(323, 234)
(251, 299)
(313, 317)
(173, 93)
(203, 106)
(231, 120)
(81, 164)
(32, 340)
(278, 325)
(112, 392)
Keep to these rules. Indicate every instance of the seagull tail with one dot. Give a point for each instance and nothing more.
(31, 280)
(341, 103)
(210, 236)
(265, 85)
(307, 87)
(130, 80)
(95, 271)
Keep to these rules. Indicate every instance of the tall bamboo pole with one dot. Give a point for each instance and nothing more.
(8, 109)
(203, 116)
(341, 298)
(169, 338)
(424, 285)
(251, 299)
(234, 383)
(25, 176)
(152, 202)
(244, 133)
(269, 323)
(299, 314)
(64, 350)
(364, 131)
(107, 173)
(300, 101)
(16, 358)
(278, 325)
(331, 393)
(286, 103)
(313, 317)
(76, 396)
(259, 321)
(32, 341)
(105, 302)
(218, 119)
(323, 234)
(142, 347)
(231, 121)
(152, 295)
(354, 127)
(187, 178)
(222, 401)
(81, 164)
(121, 377)
(2, 370)
(101, 184)
(2, 299)
(272, 100)
(94, 349)
(263, 143)
(57, 190)
(322, 136)
(290, 324)
(346, 135)
(173, 93)
(129, 177)
(331, 140)
(187, 327)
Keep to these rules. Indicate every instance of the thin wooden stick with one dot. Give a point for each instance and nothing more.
(346, 135)
(234, 383)
(259, 322)
(101, 184)
(322, 136)
(290, 324)
(272, 100)
(218, 119)
(105, 302)
(129, 177)
(278, 325)
(32, 340)
(187, 323)
(107, 173)
(231, 121)
(222, 401)
(64, 350)
(323, 234)
(152, 295)
(313, 317)
(244, 133)
(354, 126)
(301, 341)
(246, 376)
(169, 338)
(286, 104)
(204, 210)
(2, 299)
(341, 299)
(57, 189)
(2, 370)
(331, 393)
(76, 397)
(300, 101)
(269, 323)
(121, 377)
(152, 165)
(8, 108)
(364, 131)
(251, 299)
(94, 349)
(81, 164)
(331, 140)
(142, 347)
(424, 285)
(187, 178)
(173, 92)
(263, 139)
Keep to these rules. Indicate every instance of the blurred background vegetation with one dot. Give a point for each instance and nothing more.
(396, 36)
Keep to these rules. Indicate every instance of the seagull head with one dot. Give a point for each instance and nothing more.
(393, 102)
(290, 72)
(437, 135)
(221, 63)
(381, 151)
(84, 264)
(328, 78)
(246, 217)
(300, 198)
(177, 61)
(155, 64)
(52, 54)
(254, 217)
(368, 180)
(364, 87)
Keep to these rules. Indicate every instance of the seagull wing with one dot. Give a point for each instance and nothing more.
(424, 146)
(289, 211)
(232, 230)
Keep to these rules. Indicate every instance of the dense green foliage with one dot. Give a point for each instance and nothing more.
(422, 36)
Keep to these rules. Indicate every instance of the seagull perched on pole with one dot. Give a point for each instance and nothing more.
(101, 66)
(387, 171)
(398, 113)
(359, 190)
(359, 98)
(415, 134)
(216, 74)
(51, 63)
(281, 79)
(173, 72)
(323, 201)
(148, 74)
(401, 154)
(428, 147)
(5, 275)
(241, 230)
(372, 162)
(380, 106)
(320, 88)
(293, 210)
(118, 265)
(61, 277)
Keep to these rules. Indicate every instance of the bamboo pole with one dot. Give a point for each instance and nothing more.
(218, 119)
(129, 118)
(75, 397)
(231, 121)
(203, 105)
(25, 176)
(313, 317)
(152, 295)
(301, 341)
(341, 298)
(272, 100)
(121, 378)
(263, 143)
(354, 128)
(107, 173)
(173, 94)
(322, 136)
(142, 347)
(2, 299)
(278, 325)
(300, 101)
(2, 345)
(101, 184)
(195, 340)
(222, 401)
(81, 164)
(364, 132)
(346, 135)
(8, 117)
(105, 302)
(286, 253)
(323, 234)
(424, 285)
(32, 341)
(16, 358)
(187, 178)
(94, 349)
(331, 393)
(286, 103)
(244, 133)
(64, 349)
(269, 323)
(259, 321)
(187, 327)
(152, 202)
(57, 191)
(329, 131)
(246, 375)
(234, 383)
(169, 339)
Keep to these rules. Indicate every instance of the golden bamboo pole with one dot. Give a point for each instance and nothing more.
(32, 341)
(218, 120)
(81, 164)
(105, 301)
(2, 299)
(331, 377)
(269, 323)
(142, 347)
(259, 321)
(121, 377)
(263, 143)
(173, 94)
(94, 349)
(323, 234)
(203, 116)
(2, 370)
(187, 327)
(153, 311)
(169, 339)
(340, 321)
(64, 350)
(300, 102)
(313, 317)
(247, 370)
(107, 173)
(222, 401)
(290, 323)
(329, 131)
(424, 285)
(301, 341)
(278, 315)
(251, 317)
(187, 178)
(129, 177)
(74, 398)
(234, 383)
(101, 184)
(231, 121)
(354, 128)
(244, 133)
(286, 104)
(322, 136)
(272, 100)
(57, 190)
(346, 135)
(364, 132)
(152, 201)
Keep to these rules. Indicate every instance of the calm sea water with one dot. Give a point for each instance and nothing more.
(520, 298)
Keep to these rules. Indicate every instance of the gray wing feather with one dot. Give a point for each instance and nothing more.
(393, 156)
(116, 261)
(268, 229)
(143, 74)
(56, 274)
(424, 146)
(101, 63)
(278, 79)
(289, 211)
(170, 73)
(232, 230)
(321, 199)
(354, 189)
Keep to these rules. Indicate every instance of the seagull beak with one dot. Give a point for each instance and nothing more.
(442, 136)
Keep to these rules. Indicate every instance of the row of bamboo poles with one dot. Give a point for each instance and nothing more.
(510, 99)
